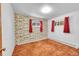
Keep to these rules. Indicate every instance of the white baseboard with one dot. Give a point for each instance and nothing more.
(29, 41)
(66, 43)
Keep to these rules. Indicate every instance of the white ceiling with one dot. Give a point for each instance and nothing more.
(33, 9)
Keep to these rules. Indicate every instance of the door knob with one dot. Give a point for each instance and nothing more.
(3, 49)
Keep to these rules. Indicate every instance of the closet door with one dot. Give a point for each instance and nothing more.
(0, 34)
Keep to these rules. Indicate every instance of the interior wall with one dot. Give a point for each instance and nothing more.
(8, 39)
(22, 34)
(66, 38)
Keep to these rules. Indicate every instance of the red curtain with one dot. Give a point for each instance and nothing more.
(41, 25)
(66, 25)
(30, 26)
(52, 26)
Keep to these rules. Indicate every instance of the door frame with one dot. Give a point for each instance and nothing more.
(0, 33)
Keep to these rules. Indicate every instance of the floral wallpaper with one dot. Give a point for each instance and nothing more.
(22, 34)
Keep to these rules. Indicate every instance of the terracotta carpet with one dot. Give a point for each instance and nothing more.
(45, 48)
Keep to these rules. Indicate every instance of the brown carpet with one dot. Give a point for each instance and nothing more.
(45, 48)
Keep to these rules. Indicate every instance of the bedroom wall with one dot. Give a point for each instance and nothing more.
(8, 39)
(71, 38)
(22, 34)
